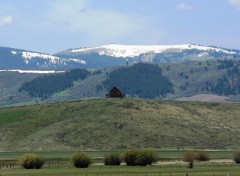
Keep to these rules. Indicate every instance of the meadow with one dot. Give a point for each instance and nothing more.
(102, 126)
(169, 164)
(155, 170)
(65, 155)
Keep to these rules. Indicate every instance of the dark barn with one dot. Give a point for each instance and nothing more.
(115, 93)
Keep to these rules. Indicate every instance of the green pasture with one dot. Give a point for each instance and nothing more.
(58, 164)
(65, 155)
(157, 170)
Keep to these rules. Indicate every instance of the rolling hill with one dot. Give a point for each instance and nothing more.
(117, 124)
(188, 81)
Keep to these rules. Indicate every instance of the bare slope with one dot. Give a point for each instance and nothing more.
(119, 124)
(205, 98)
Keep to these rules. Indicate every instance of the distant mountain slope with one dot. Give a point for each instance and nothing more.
(119, 124)
(10, 82)
(11, 58)
(141, 80)
(205, 98)
(45, 86)
(220, 77)
(111, 56)
(132, 51)
(121, 54)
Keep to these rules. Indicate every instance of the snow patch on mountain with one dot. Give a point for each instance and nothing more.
(124, 51)
(29, 55)
(78, 61)
(14, 52)
(32, 71)
(53, 59)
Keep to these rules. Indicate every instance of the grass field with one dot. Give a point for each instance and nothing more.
(120, 124)
(157, 170)
(170, 164)
(65, 155)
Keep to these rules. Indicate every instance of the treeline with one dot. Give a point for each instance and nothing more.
(141, 80)
(229, 84)
(227, 63)
(45, 86)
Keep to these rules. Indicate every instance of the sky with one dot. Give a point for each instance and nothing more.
(52, 26)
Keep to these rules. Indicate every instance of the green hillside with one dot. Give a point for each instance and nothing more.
(10, 82)
(180, 80)
(111, 124)
(187, 78)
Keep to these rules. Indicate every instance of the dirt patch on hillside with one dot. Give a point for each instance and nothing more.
(205, 98)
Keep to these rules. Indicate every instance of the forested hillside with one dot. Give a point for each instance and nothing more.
(141, 80)
(44, 86)
(218, 77)
(165, 80)
(229, 83)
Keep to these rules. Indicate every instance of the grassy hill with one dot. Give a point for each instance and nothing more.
(104, 124)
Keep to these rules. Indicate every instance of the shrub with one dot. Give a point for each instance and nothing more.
(112, 159)
(146, 157)
(81, 160)
(130, 157)
(152, 156)
(203, 156)
(237, 157)
(31, 161)
(140, 158)
(189, 157)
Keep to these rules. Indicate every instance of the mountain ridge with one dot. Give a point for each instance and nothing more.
(136, 50)
(110, 56)
(12, 58)
(151, 53)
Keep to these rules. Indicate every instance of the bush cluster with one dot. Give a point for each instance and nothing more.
(203, 156)
(236, 157)
(190, 156)
(31, 161)
(81, 160)
(112, 159)
(140, 157)
(131, 158)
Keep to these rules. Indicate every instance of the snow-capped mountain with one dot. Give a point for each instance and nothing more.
(15, 58)
(132, 51)
(29, 56)
(111, 55)
(148, 53)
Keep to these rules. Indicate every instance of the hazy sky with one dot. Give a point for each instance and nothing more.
(55, 25)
